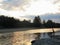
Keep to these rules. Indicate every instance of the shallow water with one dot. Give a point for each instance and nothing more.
(21, 37)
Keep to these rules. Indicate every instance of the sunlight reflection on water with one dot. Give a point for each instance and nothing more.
(21, 37)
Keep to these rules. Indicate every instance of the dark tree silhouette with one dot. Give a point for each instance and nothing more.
(10, 22)
(7, 22)
(37, 22)
(49, 24)
(26, 23)
(44, 24)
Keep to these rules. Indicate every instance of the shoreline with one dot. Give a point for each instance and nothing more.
(24, 29)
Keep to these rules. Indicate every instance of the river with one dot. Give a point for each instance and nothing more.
(21, 37)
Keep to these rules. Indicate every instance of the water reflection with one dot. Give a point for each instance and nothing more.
(16, 38)
(21, 37)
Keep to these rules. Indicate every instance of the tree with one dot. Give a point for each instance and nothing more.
(37, 22)
(43, 23)
(49, 24)
(8, 22)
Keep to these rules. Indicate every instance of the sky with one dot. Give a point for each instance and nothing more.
(21, 8)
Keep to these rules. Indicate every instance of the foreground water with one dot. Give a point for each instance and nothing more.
(21, 37)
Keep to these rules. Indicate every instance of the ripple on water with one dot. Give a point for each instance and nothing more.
(20, 37)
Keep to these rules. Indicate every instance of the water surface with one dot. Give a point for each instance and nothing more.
(21, 37)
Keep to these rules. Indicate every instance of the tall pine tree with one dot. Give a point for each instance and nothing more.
(37, 22)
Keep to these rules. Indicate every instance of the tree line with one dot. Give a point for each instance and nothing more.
(10, 22)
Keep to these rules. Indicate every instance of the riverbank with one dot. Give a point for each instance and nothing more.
(26, 29)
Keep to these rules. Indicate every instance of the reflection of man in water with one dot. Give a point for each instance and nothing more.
(51, 34)
(53, 31)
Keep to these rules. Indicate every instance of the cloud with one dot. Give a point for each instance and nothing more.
(1, 0)
(14, 14)
(22, 4)
(29, 7)
(3, 12)
(42, 7)
(56, 1)
(9, 4)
